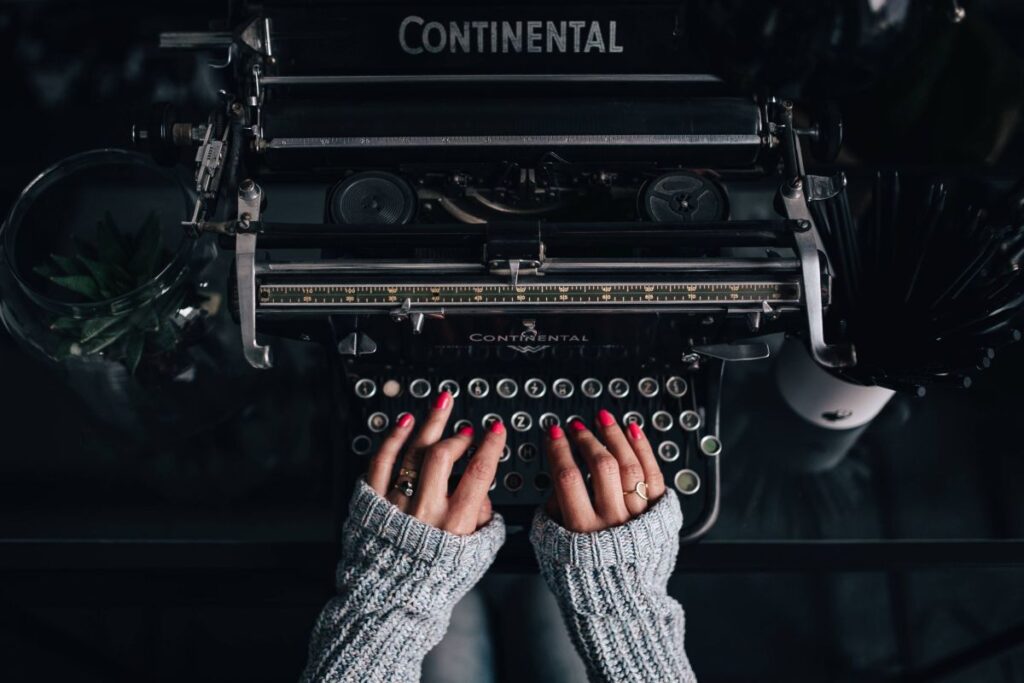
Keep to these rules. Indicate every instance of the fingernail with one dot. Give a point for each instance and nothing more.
(497, 427)
(555, 432)
(634, 431)
(466, 431)
(605, 418)
(443, 399)
(577, 425)
(405, 420)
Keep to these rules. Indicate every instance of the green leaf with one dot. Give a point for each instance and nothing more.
(66, 324)
(45, 270)
(144, 261)
(97, 344)
(111, 278)
(96, 326)
(79, 284)
(110, 243)
(70, 266)
(133, 351)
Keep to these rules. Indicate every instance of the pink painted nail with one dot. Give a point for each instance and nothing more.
(555, 432)
(443, 399)
(405, 420)
(577, 425)
(605, 418)
(497, 427)
(634, 431)
(466, 431)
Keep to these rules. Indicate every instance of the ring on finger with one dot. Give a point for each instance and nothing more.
(405, 487)
(640, 490)
(408, 472)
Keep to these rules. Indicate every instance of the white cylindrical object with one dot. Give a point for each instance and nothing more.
(822, 399)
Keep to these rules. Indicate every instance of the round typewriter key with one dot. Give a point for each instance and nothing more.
(548, 420)
(391, 388)
(618, 387)
(687, 482)
(676, 386)
(527, 452)
(478, 387)
(542, 481)
(633, 418)
(710, 445)
(591, 387)
(489, 419)
(648, 387)
(419, 388)
(535, 387)
(668, 451)
(361, 444)
(460, 425)
(365, 388)
(449, 385)
(689, 420)
(377, 422)
(513, 481)
(661, 421)
(521, 422)
(507, 388)
(562, 388)
(506, 453)
(494, 484)
(574, 418)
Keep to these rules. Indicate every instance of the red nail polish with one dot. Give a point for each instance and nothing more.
(555, 432)
(405, 420)
(634, 431)
(605, 418)
(577, 425)
(497, 427)
(466, 431)
(443, 399)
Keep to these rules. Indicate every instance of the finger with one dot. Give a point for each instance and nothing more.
(645, 454)
(431, 497)
(570, 489)
(430, 432)
(630, 471)
(476, 481)
(609, 503)
(383, 462)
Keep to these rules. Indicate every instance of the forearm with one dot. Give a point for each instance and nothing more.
(398, 580)
(611, 586)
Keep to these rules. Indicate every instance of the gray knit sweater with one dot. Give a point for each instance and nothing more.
(399, 579)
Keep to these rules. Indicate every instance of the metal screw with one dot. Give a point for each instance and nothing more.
(236, 108)
(803, 225)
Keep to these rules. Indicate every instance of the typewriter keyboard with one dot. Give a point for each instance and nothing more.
(664, 405)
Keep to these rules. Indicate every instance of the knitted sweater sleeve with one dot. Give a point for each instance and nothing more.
(611, 586)
(397, 582)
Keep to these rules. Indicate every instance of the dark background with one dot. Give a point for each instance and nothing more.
(208, 556)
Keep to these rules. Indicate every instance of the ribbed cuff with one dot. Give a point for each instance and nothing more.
(419, 540)
(634, 542)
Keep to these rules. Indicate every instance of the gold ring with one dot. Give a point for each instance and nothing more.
(640, 489)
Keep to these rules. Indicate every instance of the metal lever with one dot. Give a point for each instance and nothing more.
(250, 197)
(807, 247)
(734, 352)
(416, 317)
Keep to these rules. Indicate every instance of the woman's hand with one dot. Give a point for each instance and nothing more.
(624, 475)
(421, 486)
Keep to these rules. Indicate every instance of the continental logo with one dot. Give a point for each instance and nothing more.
(418, 36)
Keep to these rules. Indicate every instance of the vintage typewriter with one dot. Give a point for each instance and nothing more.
(543, 211)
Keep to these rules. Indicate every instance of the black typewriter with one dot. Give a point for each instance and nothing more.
(532, 208)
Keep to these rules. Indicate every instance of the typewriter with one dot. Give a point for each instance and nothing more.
(542, 210)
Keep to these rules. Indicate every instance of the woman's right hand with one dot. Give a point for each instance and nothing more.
(421, 485)
(624, 475)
